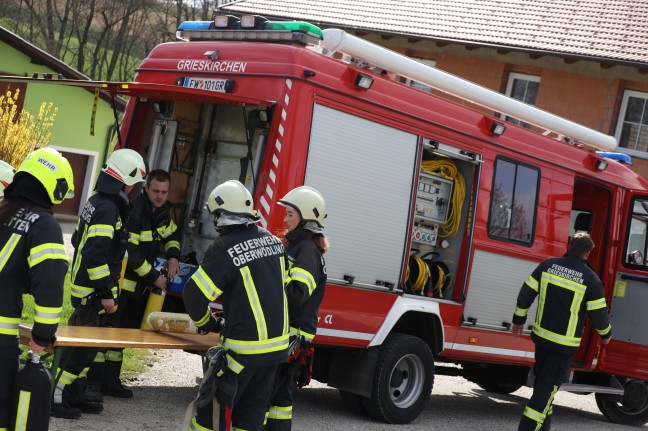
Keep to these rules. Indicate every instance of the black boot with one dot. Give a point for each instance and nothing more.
(80, 401)
(111, 385)
(62, 406)
(93, 385)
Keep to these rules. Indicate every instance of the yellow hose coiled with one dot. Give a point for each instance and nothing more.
(423, 275)
(447, 169)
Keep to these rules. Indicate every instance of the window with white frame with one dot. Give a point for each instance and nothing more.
(632, 128)
(415, 84)
(523, 88)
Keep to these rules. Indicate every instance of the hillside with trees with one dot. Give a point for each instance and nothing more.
(103, 39)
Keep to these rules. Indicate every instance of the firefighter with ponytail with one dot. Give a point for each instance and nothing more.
(305, 247)
(244, 267)
(99, 244)
(33, 258)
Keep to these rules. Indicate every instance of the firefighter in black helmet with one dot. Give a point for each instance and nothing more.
(306, 244)
(244, 267)
(568, 289)
(99, 244)
(33, 258)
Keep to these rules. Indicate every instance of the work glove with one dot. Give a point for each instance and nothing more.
(226, 389)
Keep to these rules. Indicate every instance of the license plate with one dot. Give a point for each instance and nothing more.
(209, 84)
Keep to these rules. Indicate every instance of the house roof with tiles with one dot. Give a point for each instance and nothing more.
(608, 31)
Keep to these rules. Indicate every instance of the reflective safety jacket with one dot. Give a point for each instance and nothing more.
(245, 267)
(32, 260)
(567, 289)
(146, 231)
(306, 283)
(99, 244)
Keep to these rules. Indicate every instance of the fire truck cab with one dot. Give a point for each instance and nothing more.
(437, 211)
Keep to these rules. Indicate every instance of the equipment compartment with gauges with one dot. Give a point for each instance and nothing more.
(433, 198)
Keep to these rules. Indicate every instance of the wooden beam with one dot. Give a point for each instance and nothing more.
(570, 60)
(442, 44)
(535, 56)
(503, 51)
(386, 36)
(361, 33)
(471, 47)
(606, 66)
(413, 40)
(642, 70)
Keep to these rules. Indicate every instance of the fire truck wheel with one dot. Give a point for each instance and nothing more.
(352, 402)
(403, 380)
(632, 409)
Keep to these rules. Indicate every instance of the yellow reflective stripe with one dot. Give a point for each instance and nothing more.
(171, 244)
(133, 238)
(46, 251)
(114, 355)
(556, 338)
(532, 283)
(144, 269)
(205, 284)
(238, 429)
(521, 311)
(579, 294)
(247, 347)
(67, 377)
(233, 364)
(605, 331)
(203, 320)
(297, 331)
(129, 285)
(597, 304)
(146, 236)
(534, 415)
(195, 426)
(303, 276)
(167, 230)
(47, 315)
(9, 325)
(115, 291)
(280, 413)
(84, 373)
(23, 411)
(255, 303)
(100, 230)
(9, 247)
(284, 274)
(100, 357)
(98, 272)
(80, 291)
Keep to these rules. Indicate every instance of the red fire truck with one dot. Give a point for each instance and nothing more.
(437, 211)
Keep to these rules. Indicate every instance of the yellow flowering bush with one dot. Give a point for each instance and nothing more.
(22, 132)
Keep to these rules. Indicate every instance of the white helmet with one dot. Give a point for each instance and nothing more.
(231, 197)
(6, 176)
(126, 165)
(308, 202)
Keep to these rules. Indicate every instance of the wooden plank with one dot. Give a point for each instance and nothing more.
(85, 336)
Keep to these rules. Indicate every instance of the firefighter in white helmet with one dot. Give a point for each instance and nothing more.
(99, 244)
(305, 246)
(6, 176)
(36, 263)
(245, 268)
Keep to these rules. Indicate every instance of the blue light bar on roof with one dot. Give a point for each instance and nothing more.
(619, 157)
(193, 25)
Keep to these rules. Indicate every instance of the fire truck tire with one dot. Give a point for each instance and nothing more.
(403, 380)
(353, 402)
(632, 411)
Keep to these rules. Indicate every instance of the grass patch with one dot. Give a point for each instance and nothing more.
(136, 361)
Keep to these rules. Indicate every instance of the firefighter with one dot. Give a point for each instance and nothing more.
(99, 245)
(244, 267)
(149, 225)
(568, 289)
(33, 259)
(6, 176)
(305, 246)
